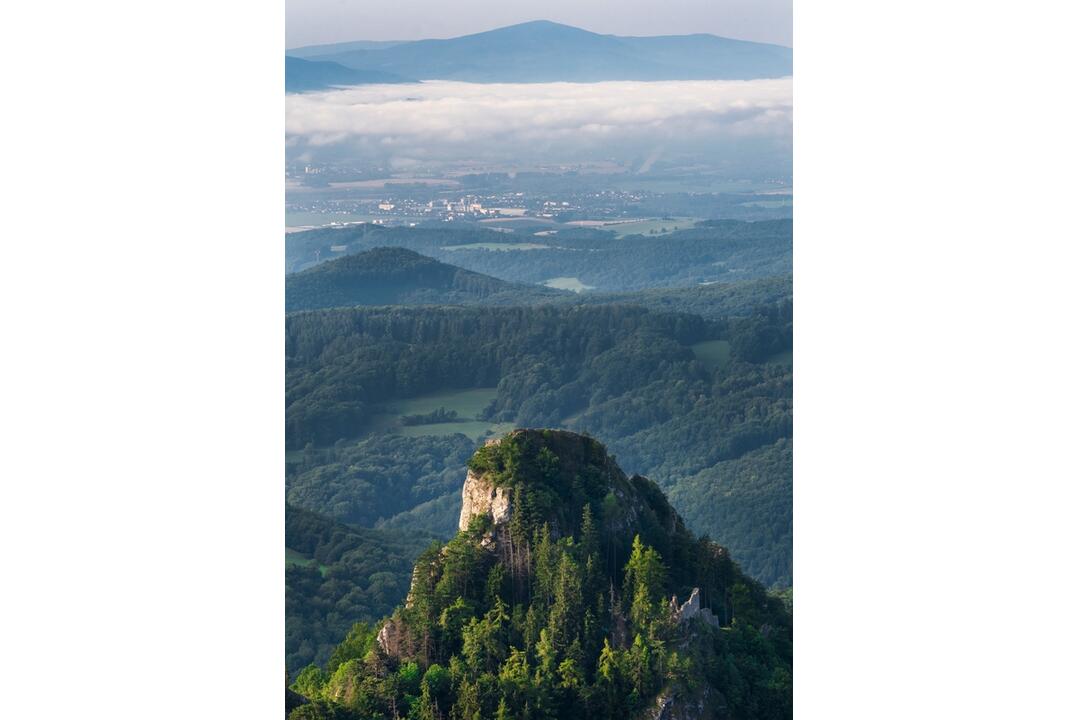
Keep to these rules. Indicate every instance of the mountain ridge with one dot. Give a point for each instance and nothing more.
(308, 75)
(398, 276)
(544, 51)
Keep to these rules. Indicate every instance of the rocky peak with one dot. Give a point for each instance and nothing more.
(554, 474)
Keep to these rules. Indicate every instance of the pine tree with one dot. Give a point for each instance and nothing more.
(467, 706)
(589, 544)
(643, 582)
(545, 657)
(428, 708)
(545, 566)
(565, 617)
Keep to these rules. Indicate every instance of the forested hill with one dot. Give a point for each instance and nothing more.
(398, 276)
(715, 251)
(395, 275)
(571, 591)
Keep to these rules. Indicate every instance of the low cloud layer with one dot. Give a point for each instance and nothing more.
(446, 122)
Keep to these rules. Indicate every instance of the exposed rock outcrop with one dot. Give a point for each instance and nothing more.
(389, 638)
(692, 609)
(480, 497)
(578, 456)
(532, 488)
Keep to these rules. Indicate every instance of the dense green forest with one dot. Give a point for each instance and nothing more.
(747, 502)
(715, 301)
(396, 276)
(688, 385)
(567, 605)
(711, 251)
(337, 575)
(384, 480)
(340, 364)
(630, 377)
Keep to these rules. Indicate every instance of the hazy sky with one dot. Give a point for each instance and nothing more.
(313, 22)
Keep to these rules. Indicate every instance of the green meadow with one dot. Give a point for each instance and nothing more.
(292, 557)
(652, 226)
(713, 353)
(466, 403)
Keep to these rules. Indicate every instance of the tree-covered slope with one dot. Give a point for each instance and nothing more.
(398, 276)
(336, 576)
(714, 301)
(747, 502)
(343, 364)
(384, 481)
(720, 251)
(637, 380)
(572, 591)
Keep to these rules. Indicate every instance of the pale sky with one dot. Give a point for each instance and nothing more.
(314, 22)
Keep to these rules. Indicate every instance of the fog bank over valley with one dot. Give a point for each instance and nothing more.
(744, 126)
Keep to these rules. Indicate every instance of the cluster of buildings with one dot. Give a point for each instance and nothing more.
(408, 208)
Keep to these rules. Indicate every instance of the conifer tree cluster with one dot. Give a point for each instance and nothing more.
(532, 622)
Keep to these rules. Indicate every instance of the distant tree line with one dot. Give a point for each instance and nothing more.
(713, 251)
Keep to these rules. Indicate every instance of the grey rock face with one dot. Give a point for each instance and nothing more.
(480, 497)
(692, 609)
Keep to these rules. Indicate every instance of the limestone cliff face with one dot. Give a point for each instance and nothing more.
(578, 456)
(480, 497)
(389, 638)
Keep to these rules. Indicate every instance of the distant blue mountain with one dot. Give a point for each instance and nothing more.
(305, 75)
(310, 51)
(543, 51)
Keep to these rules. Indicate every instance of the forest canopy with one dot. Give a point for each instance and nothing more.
(516, 620)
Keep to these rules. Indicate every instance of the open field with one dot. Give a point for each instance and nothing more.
(568, 283)
(768, 203)
(713, 353)
(302, 218)
(474, 429)
(640, 226)
(647, 227)
(518, 220)
(497, 246)
(466, 403)
(292, 557)
(389, 182)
